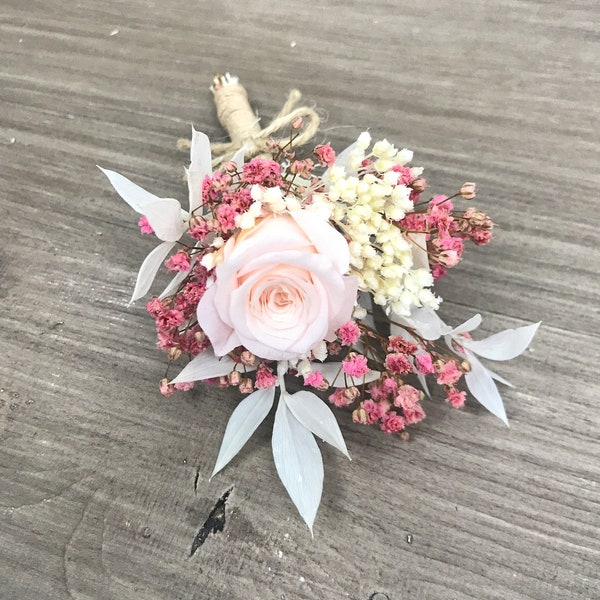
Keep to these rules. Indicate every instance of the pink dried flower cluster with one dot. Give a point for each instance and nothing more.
(447, 229)
(375, 370)
(390, 401)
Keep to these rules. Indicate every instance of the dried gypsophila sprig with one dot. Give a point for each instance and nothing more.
(284, 272)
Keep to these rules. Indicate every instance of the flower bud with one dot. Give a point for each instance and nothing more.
(468, 190)
(352, 393)
(246, 386)
(229, 166)
(360, 416)
(297, 123)
(419, 184)
(234, 378)
(165, 388)
(324, 386)
(174, 353)
(247, 358)
(196, 221)
(364, 140)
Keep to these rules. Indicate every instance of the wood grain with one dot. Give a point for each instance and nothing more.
(98, 470)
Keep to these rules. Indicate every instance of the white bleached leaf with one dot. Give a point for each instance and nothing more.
(137, 197)
(426, 321)
(244, 420)
(315, 415)
(423, 381)
(503, 345)
(172, 287)
(341, 160)
(166, 218)
(205, 366)
(298, 462)
(499, 378)
(200, 158)
(148, 270)
(200, 167)
(194, 181)
(335, 375)
(331, 371)
(469, 325)
(484, 390)
(419, 251)
(238, 157)
(366, 301)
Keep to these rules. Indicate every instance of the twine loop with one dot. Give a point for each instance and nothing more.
(242, 125)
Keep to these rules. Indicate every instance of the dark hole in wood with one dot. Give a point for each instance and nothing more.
(214, 523)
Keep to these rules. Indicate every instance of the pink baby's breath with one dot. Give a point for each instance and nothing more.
(448, 373)
(169, 319)
(349, 333)
(180, 261)
(339, 398)
(314, 379)
(456, 398)
(413, 415)
(396, 343)
(375, 410)
(265, 377)
(265, 172)
(144, 225)
(424, 363)
(407, 397)
(355, 365)
(325, 155)
(398, 363)
(392, 422)
(184, 386)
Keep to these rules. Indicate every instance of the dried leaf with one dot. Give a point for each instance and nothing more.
(149, 268)
(137, 197)
(504, 345)
(315, 415)
(484, 390)
(205, 366)
(244, 420)
(298, 462)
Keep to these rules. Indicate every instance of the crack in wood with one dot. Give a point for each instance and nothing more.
(196, 479)
(214, 523)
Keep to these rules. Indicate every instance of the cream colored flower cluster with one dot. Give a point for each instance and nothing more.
(366, 207)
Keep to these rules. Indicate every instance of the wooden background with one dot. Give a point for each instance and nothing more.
(98, 469)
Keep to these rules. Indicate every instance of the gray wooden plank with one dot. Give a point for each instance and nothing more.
(97, 497)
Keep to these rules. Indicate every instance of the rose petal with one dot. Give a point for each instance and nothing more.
(221, 335)
(325, 238)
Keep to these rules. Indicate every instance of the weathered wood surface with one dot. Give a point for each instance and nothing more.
(98, 470)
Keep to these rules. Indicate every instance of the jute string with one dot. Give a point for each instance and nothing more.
(242, 125)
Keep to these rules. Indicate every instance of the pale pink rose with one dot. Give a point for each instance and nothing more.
(280, 289)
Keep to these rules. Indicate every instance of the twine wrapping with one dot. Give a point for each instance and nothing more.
(242, 125)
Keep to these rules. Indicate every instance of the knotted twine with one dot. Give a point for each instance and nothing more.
(242, 124)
